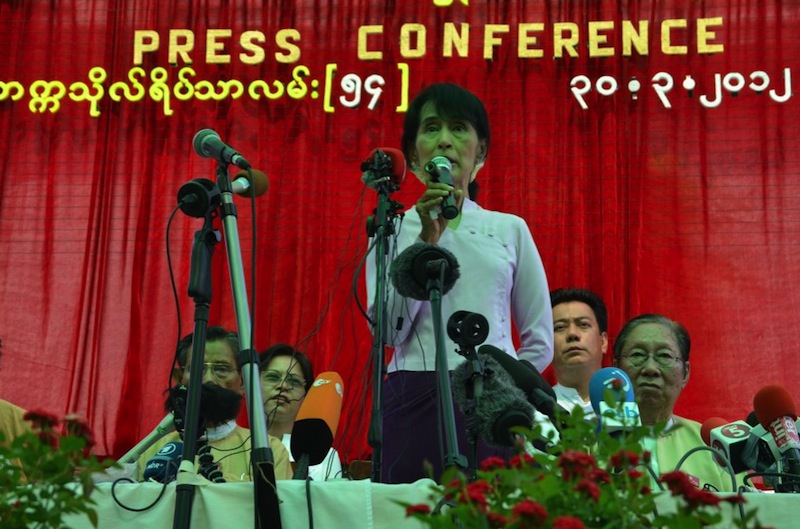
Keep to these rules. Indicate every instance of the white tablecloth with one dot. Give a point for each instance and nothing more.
(336, 505)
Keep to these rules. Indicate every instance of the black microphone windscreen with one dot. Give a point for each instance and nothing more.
(409, 271)
(526, 377)
(313, 437)
(501, 406)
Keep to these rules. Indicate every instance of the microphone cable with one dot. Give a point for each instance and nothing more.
(728, 468)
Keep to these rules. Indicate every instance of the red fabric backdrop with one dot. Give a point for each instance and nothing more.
(686, 208)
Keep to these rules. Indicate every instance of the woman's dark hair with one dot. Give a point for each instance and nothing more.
(453, 102)
(282, 349)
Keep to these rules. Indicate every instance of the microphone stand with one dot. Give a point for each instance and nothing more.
(381, 226)
(436, 270)
(267, 510)
(469, 329)
(200, 290)
(474, 392)
(196, 196)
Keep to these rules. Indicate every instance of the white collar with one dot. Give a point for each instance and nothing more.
(215, 433)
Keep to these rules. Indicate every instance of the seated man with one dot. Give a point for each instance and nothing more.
(222, 385)
(654, 351)
(286, 377)
(580, 339)
(12, 422)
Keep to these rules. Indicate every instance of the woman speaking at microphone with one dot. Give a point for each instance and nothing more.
(501, 277)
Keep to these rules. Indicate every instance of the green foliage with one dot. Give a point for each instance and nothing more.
(47, 473)
(587, 479)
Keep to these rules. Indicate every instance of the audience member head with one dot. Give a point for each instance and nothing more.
(464, 140)
(286, 377)
(580, 336)
(654, 351)
(221, 364)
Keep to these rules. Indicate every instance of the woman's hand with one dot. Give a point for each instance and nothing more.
(430, 201)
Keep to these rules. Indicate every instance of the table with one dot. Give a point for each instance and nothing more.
(339, 504)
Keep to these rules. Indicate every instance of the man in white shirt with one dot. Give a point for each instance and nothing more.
(580, 340)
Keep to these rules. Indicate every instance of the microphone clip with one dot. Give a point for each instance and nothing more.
(377, 172)
(467, 329)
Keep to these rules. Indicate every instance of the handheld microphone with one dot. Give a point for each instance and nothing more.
(528, 379)
(384, 166)
(777, 413)
(163, 466)
(441, 170)
(208, 144)
(318, 418)
(241, 183)
(625, 412)
(410, 271)
(501, 407)
(730, 439)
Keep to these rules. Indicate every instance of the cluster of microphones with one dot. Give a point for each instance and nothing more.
(514, 391)
(765, 445)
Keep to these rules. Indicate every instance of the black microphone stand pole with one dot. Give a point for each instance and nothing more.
(381, 227)
(469, 329)
(267, 510)
(200, 290)
(436, 271)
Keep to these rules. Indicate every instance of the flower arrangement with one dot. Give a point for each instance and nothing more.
(47, 473)
(588, 479)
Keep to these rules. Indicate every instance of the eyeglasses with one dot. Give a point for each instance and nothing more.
(273, 378)
(665, 360)
(219, 370)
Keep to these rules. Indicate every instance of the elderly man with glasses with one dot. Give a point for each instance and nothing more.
(286, 377)
(229, 444)
(654, 351)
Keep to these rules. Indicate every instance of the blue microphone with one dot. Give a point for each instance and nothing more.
(163, 466)
(623, 413)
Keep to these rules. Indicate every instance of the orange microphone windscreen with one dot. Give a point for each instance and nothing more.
(318, 418)
(259, 182)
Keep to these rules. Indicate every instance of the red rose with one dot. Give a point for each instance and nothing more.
(530, 511)
(419, 508)
(520, 460)
(590, 488)
(40, 419)
(575, 464)
(493, 463)
(568, 522)
(475, 493)
(496, 520)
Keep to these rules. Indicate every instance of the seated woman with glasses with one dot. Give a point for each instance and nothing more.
(286, 377)
(654, 352)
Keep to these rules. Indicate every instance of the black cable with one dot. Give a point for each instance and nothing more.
(308, 502)
(132, 509)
